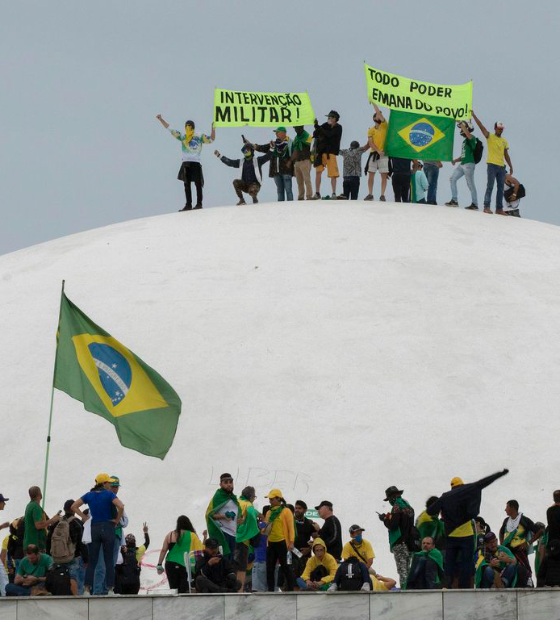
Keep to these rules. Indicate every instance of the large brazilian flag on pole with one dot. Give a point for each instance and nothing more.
(111, 381)
(415, 136)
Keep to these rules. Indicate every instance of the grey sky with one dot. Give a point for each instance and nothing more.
(82, 83)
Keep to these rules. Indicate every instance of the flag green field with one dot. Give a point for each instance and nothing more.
(414, 136)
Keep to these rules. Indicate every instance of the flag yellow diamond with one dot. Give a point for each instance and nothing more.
(421, 134)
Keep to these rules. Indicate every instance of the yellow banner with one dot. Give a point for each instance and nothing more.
(234, 108)
(401, 93)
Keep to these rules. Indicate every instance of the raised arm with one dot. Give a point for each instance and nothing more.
(232, 163)
(379, 112)
(213, 133)
(166, 125)
(480, 125)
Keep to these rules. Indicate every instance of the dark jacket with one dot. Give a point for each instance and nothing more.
(331, 533)
(217, 573)
(327, 139)
(401, 166)
(424, 574)
(549, 570)
(462, 503)
(303, 533)
(235, 163)
(278, 165)
(400, 518)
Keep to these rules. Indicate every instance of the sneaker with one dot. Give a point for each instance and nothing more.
(472, 207)
(326, 198)
(241, 202)
(86, 593)
(452, 203)
(365, 587)
(111, 592)
(185, 208)
(316, 196)
(332, 588)
(341, 197)
(369, 197)
(334, 197)
(382, 198)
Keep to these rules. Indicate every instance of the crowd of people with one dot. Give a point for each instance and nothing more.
(83, 551)
(413, 180)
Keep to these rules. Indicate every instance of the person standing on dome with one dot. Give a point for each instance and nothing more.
(191, 168)
(465, 168)
(377, 161)
(327, 146)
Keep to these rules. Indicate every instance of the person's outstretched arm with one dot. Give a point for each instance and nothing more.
(166, 125)
(480, 125)
(232, 163)
(484, 482)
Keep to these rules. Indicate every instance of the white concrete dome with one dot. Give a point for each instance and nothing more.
(328, 349)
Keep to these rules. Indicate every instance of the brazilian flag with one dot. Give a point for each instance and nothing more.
(111, 381)
(414, 136)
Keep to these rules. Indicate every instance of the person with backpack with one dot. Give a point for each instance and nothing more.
(512, 195)
(15, 543)
(64, 541)
(471, 153)
(320, 569)
(60, 582)
(183, 539)
(351, 576)
(458, 508)
(127, 572)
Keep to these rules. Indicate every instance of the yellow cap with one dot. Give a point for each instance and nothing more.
(275, 493)
(455, 482)
(103, 478)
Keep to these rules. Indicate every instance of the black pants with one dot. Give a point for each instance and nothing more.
(278, 551)
(127, 588)
(351, 187)
(188, 194)
(401, 186)
(177, 577)
(204, 585)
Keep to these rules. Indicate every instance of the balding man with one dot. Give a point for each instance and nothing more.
(426, 571)
(36, 521)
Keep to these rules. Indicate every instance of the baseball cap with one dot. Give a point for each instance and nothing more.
(455, 482)
(275, 493)
(498, 125)
(280, 129)
(103, 478)
(326, 503)
(334, 114)
(490, 536)
(4, 499)
(115, 481)
(356, 528)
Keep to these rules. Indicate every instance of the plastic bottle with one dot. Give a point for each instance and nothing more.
(289, 557)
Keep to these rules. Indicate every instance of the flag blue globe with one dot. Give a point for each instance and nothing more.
(421, 134)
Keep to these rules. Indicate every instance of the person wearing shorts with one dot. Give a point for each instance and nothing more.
(327, 145)
(378, 161)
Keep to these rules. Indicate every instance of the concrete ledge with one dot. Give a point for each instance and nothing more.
(420, 605)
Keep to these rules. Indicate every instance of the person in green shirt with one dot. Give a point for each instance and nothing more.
(31, 573)
(465, 168)
(36, 521)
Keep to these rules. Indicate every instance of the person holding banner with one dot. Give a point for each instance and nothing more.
(301, 159)
(377, 160)
(191, 169)
(498, 151)
(251, 172)
(281, 168)
(327, 145)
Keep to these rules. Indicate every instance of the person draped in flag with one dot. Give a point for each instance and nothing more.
(247, 532)
(223, 516)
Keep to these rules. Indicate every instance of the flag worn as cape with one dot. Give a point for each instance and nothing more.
(220, 499)
(112, 382)
(250, 527)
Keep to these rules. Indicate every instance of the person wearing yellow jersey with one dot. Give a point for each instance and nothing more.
(4, 566)
(378, 161)
(498, 151)
(358, 547)
(320, 569)
(281, 537)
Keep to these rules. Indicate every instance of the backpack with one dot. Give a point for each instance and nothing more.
(477, 151)
(413, 540)
(58, 581)
(63, 550)
(352, 579)
(129, 570)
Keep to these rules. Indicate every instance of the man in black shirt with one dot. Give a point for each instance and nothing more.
(331, 532)
(305, 528)
(401, 178)
(327, 147)
(553, 517)
(251, 172)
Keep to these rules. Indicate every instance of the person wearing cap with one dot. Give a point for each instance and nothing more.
(281, 167)
(358, 547)
(281, 538)
(331, 532)
(320, 569)
(301, 160)
(215, 573)
(418, 183)
(191, 169)
(458, 508)
(223, 515)
(305, 528)
(351, 170)
(100, 501)
(399, 522)
(431, 170)
(250, 179)
(3, 501)
(36, 521)
(426, 569)
(327, 146)
(127, 572)
(498, 151)
(377, 161)
(465, 168)
(496, 566)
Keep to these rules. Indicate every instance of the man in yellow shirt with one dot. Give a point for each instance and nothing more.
(319, 570)
(498, 151)
(378, 161)
(281, 537)
(358, 547)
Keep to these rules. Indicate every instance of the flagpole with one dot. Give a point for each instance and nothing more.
(52, 403)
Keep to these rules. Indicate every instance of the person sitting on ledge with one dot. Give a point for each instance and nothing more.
(31, 574)
(320, 569)
(215, 573)
(426, 571)
(496, 566)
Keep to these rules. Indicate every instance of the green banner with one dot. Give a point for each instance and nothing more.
(234, 108)
(401, 93)
(413, 136)
(312, 514)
